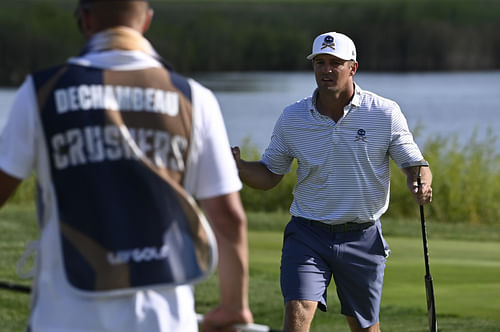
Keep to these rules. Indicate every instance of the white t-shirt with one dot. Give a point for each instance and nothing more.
(55, 307)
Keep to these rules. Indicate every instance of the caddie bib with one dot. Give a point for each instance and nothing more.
(118, 143)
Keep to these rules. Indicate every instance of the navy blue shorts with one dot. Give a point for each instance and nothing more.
(312, 255)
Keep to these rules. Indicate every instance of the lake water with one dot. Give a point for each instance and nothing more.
(444, 104)
(437, 103)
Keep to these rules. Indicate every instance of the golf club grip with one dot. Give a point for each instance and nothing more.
(431, 304)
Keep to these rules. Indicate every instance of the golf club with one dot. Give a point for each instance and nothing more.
(15, 287)
(429, 287)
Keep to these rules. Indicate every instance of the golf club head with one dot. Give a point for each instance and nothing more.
(431, 303)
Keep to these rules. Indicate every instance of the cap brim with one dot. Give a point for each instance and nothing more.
(312, 55)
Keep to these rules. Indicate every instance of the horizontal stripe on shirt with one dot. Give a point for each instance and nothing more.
(343, 170)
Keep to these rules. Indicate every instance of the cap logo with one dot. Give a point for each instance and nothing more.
(328, 42)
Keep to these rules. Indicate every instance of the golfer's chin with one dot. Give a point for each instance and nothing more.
(328, 87)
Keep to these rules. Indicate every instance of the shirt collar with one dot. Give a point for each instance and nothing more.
(355, 101)
(120, 44)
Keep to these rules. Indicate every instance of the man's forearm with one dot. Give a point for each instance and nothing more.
(233, 266)
(230, 227)
(256, 175)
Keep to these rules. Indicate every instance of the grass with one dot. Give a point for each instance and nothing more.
(465, 264)
(466, 280)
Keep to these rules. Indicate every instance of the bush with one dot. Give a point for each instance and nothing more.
(277, 199)
(466, 183)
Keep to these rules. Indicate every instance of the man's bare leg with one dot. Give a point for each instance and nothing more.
(299, 315)
(353, 324)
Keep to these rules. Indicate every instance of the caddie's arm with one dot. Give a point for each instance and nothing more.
(8, 185)
(229, 223)
(422, 195)
(254, 173)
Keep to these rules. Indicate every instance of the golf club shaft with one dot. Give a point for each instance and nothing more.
(429, 285)
(424, 239)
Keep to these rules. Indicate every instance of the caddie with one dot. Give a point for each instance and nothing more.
(119, 143)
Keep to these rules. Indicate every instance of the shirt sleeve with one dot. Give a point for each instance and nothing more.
(276, 156)
(402, 148)
(19, 136)
(211, 168)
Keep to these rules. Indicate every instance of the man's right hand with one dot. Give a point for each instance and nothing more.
(254, 173)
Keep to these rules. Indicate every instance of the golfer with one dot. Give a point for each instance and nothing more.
(116, 139)
(342, 137)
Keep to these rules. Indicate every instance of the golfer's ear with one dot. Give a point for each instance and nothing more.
(354, 67)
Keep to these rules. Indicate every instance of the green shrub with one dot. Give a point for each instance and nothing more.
(277, 199)
(466, 183)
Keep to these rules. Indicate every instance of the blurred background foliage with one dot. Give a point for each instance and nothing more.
(468, 190)
(391, 35)
(198, 36)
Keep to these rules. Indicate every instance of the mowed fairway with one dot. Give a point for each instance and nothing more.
(466, 276)
(466, 280)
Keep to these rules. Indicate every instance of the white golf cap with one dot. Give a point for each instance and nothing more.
(333, 43)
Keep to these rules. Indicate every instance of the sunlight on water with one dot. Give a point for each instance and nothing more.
(443, 104)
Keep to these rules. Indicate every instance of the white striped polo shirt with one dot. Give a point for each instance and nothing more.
(343, 170)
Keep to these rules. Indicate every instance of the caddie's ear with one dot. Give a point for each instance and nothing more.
(78, 18)
(86, 23)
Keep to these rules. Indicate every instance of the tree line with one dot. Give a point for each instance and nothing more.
(390, 35)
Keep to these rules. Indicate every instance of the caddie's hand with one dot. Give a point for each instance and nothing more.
(223, 319)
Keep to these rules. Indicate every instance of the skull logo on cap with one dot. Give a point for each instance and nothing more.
(328, 42)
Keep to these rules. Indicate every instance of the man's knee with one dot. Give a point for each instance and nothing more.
(353, 324)
(299, 315)
(301, 305)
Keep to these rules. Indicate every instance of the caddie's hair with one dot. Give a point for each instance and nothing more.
(85, 5)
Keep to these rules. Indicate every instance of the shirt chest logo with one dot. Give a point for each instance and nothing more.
(361, 136)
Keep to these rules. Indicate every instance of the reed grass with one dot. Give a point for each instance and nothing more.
(466, 183)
